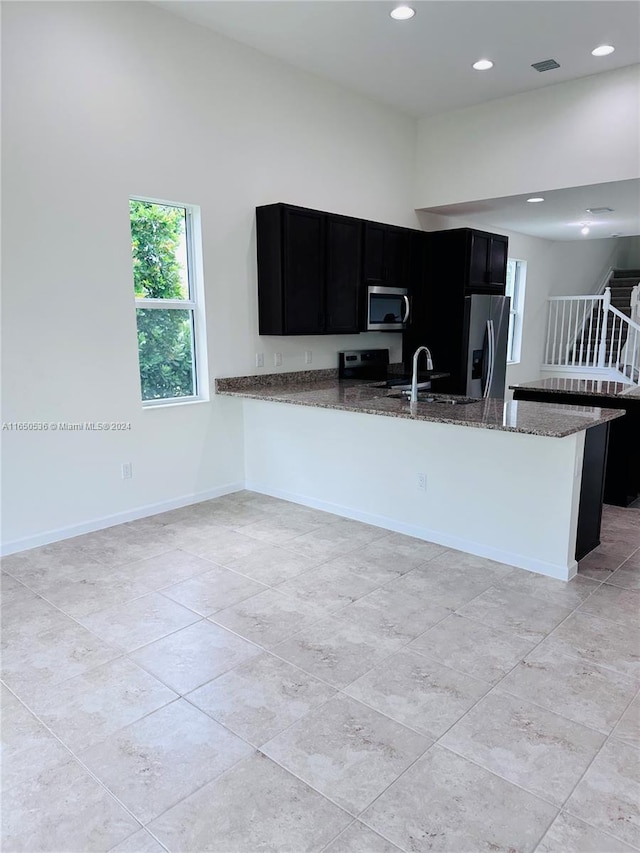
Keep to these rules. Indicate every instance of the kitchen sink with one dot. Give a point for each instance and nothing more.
(440, 399)
(422, 386)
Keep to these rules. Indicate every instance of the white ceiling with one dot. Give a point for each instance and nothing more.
(423, 66)
(562, 213)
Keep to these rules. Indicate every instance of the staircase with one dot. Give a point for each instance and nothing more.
(597, 336)
(621, 284)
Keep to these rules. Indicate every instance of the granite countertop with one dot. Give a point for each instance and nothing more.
(590, 387)
(323, 389)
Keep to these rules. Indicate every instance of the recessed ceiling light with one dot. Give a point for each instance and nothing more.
(584, 230)
(402, 13)
(483, 65)
(535, 200)
(603, 50)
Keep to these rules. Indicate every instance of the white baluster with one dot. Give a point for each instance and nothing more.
(619, 343)
(563, 329)
(589, 336)
(606, 304)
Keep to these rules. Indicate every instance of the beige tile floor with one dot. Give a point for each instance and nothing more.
(250, 675)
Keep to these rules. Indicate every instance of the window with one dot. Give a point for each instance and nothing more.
(167, 280)
(516, 278)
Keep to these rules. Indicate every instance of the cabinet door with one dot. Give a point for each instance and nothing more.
(343, 274)
(374, 253)
(498, 261)
(304, 269)
(479, 261)
(417, 282)
(397, 255)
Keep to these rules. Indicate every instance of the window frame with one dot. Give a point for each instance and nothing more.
(516, 309)
(194, 304)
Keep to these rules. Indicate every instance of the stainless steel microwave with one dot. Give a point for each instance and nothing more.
(388, 309)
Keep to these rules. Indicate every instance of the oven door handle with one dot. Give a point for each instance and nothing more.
(407, 309)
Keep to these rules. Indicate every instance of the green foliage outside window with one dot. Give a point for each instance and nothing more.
(164, 335)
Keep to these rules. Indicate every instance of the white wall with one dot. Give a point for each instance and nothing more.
(488, 493)
(629, 255)
(108, 100)
(571, 134)
(554, 268)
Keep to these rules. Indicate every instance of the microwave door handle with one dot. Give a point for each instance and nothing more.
(407, 309)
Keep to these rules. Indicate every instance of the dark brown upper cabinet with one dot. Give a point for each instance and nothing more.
(488, 260)
(343, 274)
(387, 251)
(468, 261)
(309, 271)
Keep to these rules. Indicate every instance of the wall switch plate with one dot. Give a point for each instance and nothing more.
(259, 359)
(127, 471)
(277, 359)
(422, 482)
(308, 356)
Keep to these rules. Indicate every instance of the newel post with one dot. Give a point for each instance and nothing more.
(606, 304)
(635, 304)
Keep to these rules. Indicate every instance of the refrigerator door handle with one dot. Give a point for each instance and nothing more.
(491, 354)
(407, 309)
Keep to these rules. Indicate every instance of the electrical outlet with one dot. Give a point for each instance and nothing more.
(259, 359)
(308, 356)
(277, 359)
(127, 471)
(422, 482)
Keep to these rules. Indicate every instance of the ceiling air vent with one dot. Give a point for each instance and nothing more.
(598, 210)
(546, 65)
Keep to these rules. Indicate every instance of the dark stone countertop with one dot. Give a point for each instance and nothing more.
(583, 387)
(323, 389)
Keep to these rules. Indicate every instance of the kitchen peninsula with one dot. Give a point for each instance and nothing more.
(501, 479)
(622, 480)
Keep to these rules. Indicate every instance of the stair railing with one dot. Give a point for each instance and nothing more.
(589, 333)
(573, 330)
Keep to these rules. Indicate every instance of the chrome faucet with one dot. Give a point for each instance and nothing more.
(414, 376)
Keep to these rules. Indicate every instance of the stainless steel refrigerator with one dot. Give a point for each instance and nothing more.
(484, 346)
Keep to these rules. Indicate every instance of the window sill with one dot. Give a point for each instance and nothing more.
(509, 363)
(170, 404)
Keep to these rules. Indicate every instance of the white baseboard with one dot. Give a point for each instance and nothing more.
(471, 547)
(511, 559)
(118, 518)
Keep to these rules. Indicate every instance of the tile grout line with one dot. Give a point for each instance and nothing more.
(608, 738)
(598, 751)
(87, 770)
(330, 614)
(342, 690)
(145, 825)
